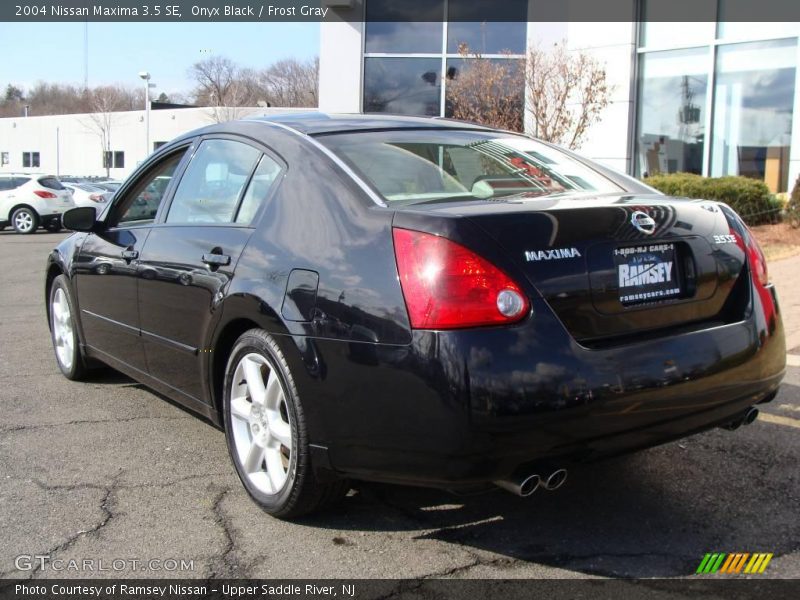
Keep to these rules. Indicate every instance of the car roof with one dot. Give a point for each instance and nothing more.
(315, 123)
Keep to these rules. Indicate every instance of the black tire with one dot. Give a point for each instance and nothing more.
(25, 220)
(301, 493)
(76, 367)
(53, 226)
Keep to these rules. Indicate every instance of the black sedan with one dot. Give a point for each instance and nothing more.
(416, 301)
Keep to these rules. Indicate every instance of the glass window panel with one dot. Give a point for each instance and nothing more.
(753, 100)
(410, 166)
(487, 27)
(672, 108)
(411, 26)
(407, 86)
(487, 38)
(209, 190)
(258, 189)
(509, 73)
(141, 204)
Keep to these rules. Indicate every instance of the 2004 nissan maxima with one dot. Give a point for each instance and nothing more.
(416, 301)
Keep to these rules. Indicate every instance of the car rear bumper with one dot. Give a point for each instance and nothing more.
(467, 407)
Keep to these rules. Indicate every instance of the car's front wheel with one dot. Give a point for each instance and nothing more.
(266, 432)
(25, 220)
(64, 331)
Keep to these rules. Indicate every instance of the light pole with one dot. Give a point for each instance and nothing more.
(147, 85)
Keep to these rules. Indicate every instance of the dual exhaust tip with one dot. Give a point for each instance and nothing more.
(746, 418)
(525, 485)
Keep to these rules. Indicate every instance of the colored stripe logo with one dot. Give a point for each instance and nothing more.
(736, 562)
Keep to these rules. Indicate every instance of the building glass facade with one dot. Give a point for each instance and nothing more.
(407, 64)
(716, 98)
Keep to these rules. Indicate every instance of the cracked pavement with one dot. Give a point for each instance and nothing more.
(110, 470)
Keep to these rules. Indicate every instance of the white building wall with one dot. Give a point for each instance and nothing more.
(613, 45)
(71, 145)
(340, 66)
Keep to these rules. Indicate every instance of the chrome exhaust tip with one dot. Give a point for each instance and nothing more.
(750, 416)
(556, 479)
(520, 486)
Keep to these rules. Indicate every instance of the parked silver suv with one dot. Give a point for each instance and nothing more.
(28, 200)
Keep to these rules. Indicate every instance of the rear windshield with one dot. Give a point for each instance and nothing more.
(51, 182)
(413, 166)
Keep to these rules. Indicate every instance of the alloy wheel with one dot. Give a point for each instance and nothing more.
(261, 424)
(23, 221)
(63, 337)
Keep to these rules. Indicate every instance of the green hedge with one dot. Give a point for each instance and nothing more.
(750, 198)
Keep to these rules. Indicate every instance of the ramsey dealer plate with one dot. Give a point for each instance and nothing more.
(647, 273)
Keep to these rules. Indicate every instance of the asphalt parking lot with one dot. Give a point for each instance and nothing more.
(109, 470)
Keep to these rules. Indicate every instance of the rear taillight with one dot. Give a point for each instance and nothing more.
(755, 255)
(447, 286)
(758, 262)
(45, 195)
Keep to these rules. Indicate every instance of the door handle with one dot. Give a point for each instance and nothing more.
(216, 260)
(130, 254)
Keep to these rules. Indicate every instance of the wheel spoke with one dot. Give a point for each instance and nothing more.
(255, 382)
(255, 456)
(281, 431)
(240, 408)
(275, 468)
(273, 391)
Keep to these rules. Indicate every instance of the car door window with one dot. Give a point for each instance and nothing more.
(140, 205)
(210, 189)
(258, 189)
(6, 184)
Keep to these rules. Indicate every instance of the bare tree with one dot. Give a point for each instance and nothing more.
(566, 93)
(291, 82)
(214, 76)
(104, 102)
(486, 91)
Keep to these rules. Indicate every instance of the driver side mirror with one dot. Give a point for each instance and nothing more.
(83, 218)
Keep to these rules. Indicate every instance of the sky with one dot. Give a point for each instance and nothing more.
(54, 52)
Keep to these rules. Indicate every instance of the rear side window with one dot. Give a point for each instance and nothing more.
(51, 182)
(258, 189)
(210, 189)
(20, 181)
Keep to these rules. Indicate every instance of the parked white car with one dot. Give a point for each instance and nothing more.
(86, 194)
(28, 200)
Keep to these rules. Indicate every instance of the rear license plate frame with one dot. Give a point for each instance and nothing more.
(647, 273)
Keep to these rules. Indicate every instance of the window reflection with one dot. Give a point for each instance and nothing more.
(411, 26)
(753, 99)
(487, 27)
(408, 86)
(672, 100)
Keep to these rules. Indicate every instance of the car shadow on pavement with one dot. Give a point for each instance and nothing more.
(652, 514)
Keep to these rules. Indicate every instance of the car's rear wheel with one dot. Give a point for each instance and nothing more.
(63, 330)
(25, 220)
(266, 432)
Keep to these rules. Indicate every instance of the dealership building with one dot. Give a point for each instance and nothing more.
(711, 97)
